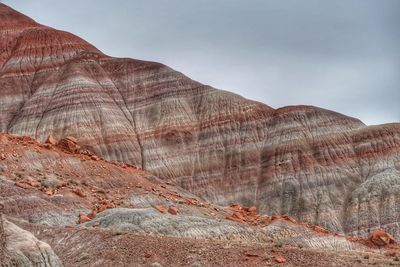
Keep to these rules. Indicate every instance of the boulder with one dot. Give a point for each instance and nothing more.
(173, 210)
(381, 238)
(69, 144)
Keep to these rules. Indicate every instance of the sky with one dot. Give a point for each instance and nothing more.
(342, 55)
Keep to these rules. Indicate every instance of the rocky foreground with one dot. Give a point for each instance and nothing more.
(88, 211)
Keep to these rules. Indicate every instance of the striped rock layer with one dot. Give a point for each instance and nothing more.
(316, 165)
(51, 188)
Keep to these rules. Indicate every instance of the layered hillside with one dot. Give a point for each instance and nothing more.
(93, 212)
(316, 165)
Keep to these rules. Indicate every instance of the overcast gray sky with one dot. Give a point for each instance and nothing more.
(342, 55)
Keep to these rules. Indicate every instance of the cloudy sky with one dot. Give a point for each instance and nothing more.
(342, 55)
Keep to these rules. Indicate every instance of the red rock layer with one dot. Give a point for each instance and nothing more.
(317, 165)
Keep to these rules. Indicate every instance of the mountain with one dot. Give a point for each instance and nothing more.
(316, 165)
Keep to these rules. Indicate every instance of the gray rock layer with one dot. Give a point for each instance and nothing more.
(153, 222)
(21, 248)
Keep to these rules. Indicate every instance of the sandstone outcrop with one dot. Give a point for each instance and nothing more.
(316, 165)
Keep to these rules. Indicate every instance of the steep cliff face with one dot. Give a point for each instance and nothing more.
(317, 165)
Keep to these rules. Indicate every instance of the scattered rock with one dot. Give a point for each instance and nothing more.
(92, 214)
(79, 192)
(83, 218)
(69, 144)
(247, 215)
(2, 156)
(101, 208)
(105, 204)
(280, 259)
(94, 157)
(33, 183)
(160, 208)
(21, 185)
(173, 210)
(381, 238)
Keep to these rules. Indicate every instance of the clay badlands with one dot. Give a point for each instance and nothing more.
(121, 162)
